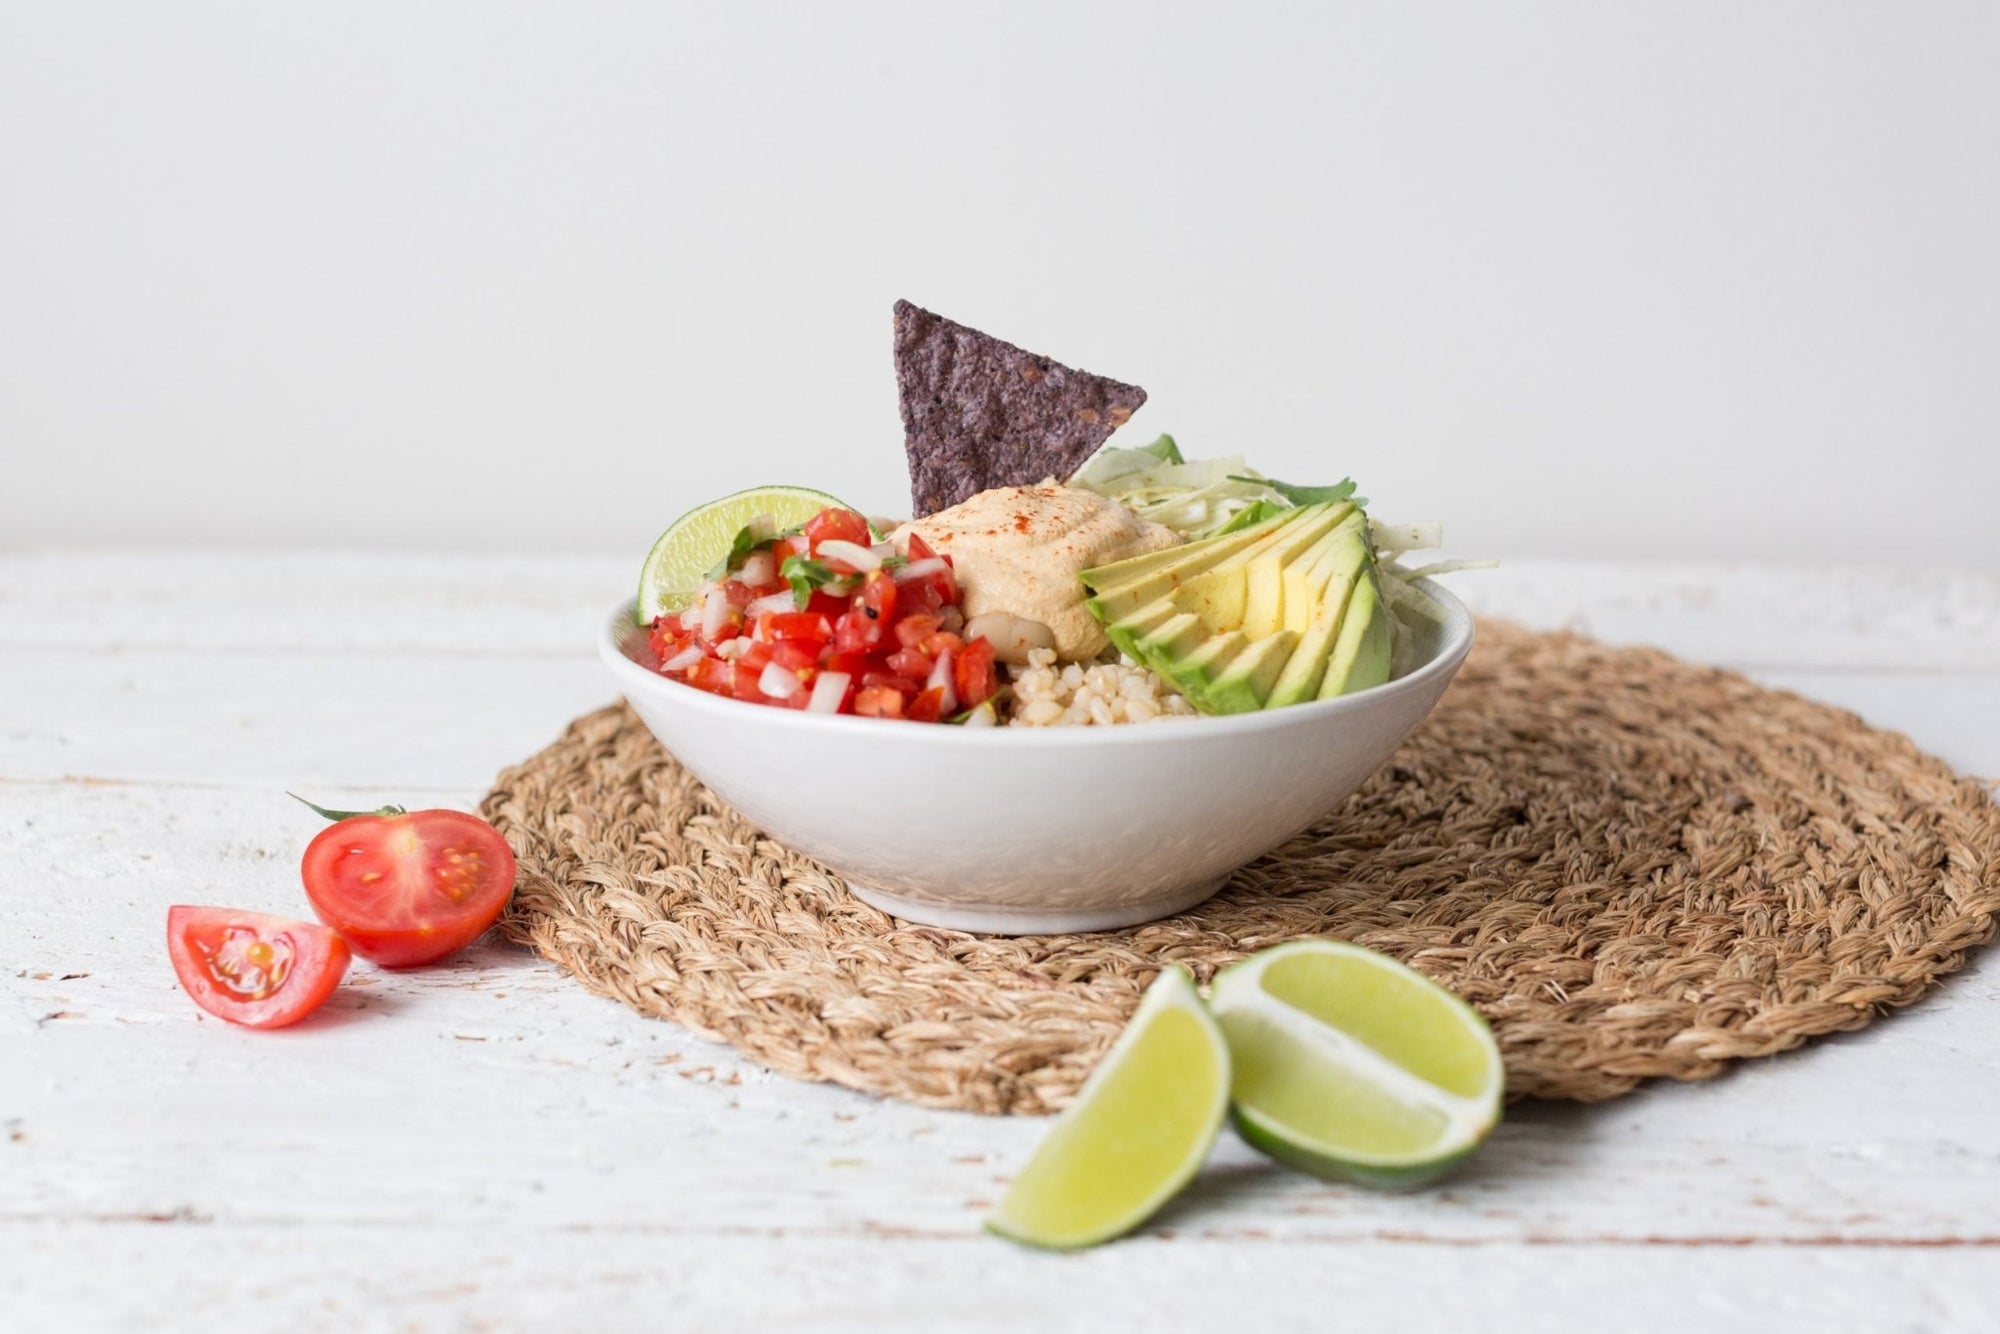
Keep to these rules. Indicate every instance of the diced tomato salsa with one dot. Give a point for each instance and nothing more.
(851, 627)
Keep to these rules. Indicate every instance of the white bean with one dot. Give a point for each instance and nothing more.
(1013, 637)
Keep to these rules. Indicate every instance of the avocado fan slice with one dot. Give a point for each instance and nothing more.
(1282, 612)
(1332, 579)
(1360, 656)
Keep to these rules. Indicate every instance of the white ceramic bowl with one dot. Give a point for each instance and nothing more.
(1019, 830)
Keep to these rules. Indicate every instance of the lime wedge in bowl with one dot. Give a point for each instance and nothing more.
(1351, 1066)
(1138, 1131)
(693, 543)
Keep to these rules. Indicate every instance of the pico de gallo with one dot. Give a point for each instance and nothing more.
(827, 620)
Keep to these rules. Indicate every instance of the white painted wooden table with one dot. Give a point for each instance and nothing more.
(483, 1145)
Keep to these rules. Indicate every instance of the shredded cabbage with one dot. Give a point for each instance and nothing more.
(1194, 499)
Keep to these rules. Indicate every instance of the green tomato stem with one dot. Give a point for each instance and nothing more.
(337, 816)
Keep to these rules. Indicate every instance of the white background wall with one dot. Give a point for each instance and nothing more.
(1576, 278)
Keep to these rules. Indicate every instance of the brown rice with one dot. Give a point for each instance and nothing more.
(1087, 694)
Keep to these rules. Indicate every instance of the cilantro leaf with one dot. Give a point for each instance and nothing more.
(739, 551)
(805, 576)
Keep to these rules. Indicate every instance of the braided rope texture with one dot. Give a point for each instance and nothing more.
(1632, 866)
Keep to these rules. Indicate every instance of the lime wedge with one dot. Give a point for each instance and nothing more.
(693, 543)
(1138, 1130)
(1349, 1065)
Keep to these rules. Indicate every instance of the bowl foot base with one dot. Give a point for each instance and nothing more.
(998, 921)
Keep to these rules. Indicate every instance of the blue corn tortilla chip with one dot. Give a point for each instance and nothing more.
(979, 413)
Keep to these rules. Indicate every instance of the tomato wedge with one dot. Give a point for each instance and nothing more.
(407, 887)
(252, 968)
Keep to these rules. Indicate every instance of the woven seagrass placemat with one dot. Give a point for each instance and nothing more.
(1632, 866)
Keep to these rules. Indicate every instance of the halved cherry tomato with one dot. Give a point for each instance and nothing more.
(251, 968)
(407, 888)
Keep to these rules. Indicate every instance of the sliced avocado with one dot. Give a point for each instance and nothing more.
(1228, 595)
(1339, 573)
(1126, 632)
(1195, 673)
(1269, 573)
(1306, 591)
(1246, 682)
(1306, 668)
(1360, 655)
(1115, 595)
(1286, 578)
(1179, 635)
(1281, 612)
(1105, 578)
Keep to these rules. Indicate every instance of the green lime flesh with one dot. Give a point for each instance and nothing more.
(1139, 1130)
(693, 543)
(1351, 1066)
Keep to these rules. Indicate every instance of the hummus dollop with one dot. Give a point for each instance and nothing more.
(1019, 549)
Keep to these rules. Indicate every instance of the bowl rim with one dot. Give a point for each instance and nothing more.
(635, 677)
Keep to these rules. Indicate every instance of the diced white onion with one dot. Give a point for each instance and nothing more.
(829, 688)
(683, 660)
(776, 602)
(851, 554)
(917, 569)
(758, 568)
(983, 716)
(729, 650)
(941, 676)
(714, 614)
(690, 617)
(779, 682)
(885, 550)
